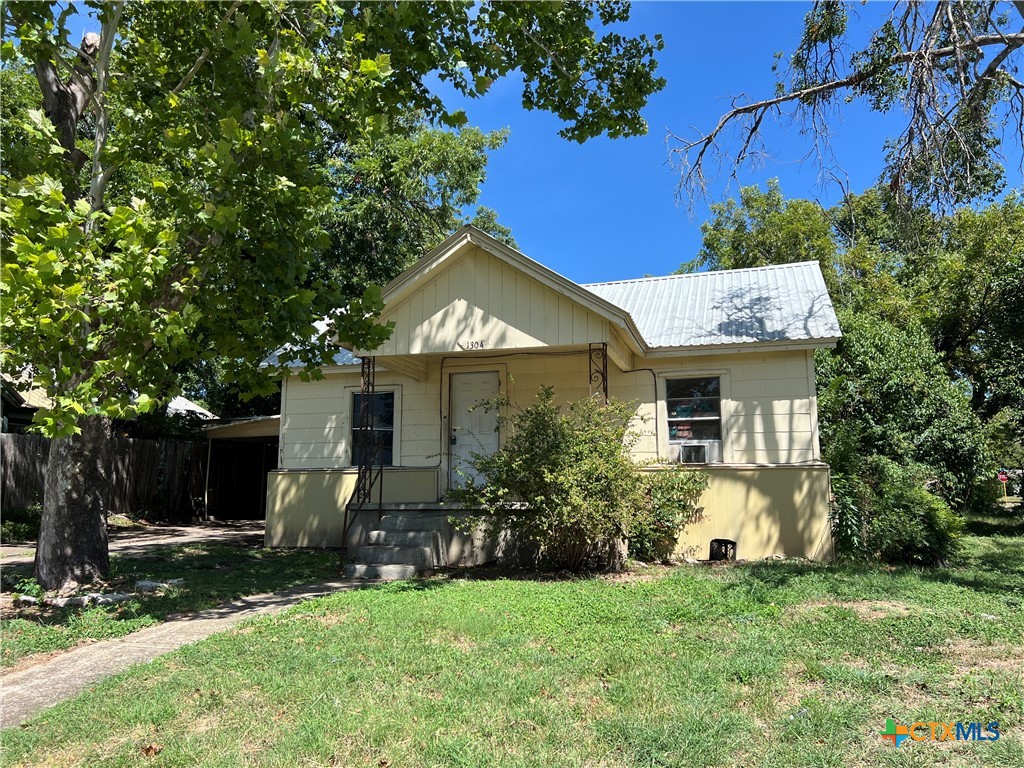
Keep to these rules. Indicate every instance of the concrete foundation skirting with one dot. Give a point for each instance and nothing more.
(767, 510)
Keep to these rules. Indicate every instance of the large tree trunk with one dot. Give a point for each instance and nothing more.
(72, 547)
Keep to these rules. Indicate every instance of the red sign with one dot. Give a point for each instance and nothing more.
(1003, 477)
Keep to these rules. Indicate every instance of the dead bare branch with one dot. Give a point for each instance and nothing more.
(947, 99)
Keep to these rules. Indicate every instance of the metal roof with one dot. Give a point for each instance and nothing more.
(286, 354)
(787, 302)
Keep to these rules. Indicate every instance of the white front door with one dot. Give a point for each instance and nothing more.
(472, 430)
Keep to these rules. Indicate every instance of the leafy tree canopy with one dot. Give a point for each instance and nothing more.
(169, 203)
(397, 196)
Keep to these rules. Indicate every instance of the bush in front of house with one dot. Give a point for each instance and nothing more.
(886, 512)
(905, 449)
(672, 496)
(565, 482)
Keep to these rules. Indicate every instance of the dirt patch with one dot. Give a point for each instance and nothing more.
(881, 667)
(638, 575)
(328, 619)
(798, 686)
(869, 610)
(453, 640)
(973, 656)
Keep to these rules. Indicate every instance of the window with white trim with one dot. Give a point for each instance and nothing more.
(383, 431)
(694, 409)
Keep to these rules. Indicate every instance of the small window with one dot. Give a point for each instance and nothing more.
(694, 417)
(364, 441)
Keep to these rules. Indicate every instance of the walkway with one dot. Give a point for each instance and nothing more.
(135, 542)
(29, 691)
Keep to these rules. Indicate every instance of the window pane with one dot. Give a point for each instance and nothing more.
(689, 407)
(694, 430)
(363, 445)
(364, 442)
(694, 414)
(707, 387)
(383, 405)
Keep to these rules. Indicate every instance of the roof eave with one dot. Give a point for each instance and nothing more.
(744, 346)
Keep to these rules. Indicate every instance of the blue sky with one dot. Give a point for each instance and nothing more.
(607, 210)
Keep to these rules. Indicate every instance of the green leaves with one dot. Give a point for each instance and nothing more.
(564, 480)
(217, 190)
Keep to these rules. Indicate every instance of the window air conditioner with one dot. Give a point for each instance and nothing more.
(697, 452)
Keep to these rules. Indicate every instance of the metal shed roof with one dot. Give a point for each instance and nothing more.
(787, 302)
(285, 355)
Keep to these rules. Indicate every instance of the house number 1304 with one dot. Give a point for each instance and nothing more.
(473, 344)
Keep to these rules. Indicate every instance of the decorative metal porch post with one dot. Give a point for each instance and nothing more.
(366, 453)
(599, 371)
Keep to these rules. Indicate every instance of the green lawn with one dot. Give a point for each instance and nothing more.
(774, 664)
(213, 574)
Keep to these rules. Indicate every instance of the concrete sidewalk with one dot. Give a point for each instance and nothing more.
(29, 691)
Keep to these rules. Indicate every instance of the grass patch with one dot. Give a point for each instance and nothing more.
(773, 664)
(213, 574)
(1010, 523)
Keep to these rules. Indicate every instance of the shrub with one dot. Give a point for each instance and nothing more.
(886, 511)
(29, 587)
(904, 446)
(673, 493)
(564, 481)
(21, 524)
(883, 391)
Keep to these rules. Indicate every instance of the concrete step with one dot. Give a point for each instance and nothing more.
(421, 557)
(377, 571)
(395, 538)
(412, 522)
(429, 507)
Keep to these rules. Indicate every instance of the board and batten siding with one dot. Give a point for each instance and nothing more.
(478, 299)
(768, 405)
(316, 420)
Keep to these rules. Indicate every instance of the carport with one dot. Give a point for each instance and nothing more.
(241, 453)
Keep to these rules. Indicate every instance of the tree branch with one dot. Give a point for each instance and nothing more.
(64, 103)
(205, 54)
(809, 95)
(100, 175)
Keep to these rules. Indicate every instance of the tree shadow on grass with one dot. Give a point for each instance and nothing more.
(994, 526)
(990, 564)
(212, 574)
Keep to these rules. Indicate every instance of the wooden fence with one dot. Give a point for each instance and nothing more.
(155, 479)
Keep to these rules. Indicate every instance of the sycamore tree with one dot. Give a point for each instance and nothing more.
(950, 68)
(397, 195)
(171, 195)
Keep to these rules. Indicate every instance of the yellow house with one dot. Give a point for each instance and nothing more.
(720, 364)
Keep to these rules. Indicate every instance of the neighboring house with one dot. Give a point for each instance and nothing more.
(720, 365)
(19, 401)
